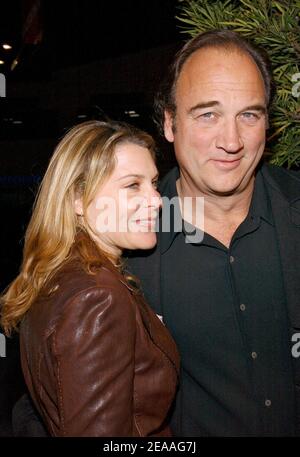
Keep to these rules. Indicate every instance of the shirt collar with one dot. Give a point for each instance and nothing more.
(260, 205)
(168, 190)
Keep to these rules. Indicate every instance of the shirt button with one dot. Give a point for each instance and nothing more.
(231, 259)
(253, 355)
(268, 403)
(242, 307)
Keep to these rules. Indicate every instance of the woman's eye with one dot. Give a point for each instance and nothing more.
(133, 185)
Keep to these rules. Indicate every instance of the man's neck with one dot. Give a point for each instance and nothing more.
(222, 213)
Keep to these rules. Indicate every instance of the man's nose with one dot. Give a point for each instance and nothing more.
(229, 138)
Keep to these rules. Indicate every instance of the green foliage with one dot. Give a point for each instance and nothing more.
(274, 26)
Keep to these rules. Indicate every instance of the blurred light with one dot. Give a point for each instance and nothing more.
(14, 64)
(82, 116)
(132, 113)
(17, 122)
(6, 46)
(2, 62)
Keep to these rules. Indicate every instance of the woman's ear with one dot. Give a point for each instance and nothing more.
(78, 206)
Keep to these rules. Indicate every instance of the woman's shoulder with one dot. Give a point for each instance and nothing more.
(74, 278)
(72, 290)
(83, 298)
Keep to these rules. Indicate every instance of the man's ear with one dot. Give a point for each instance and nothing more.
(267, 121)
(78, 206)
(168, 126)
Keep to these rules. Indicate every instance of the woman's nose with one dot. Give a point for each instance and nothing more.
(152, 199)
(156, 200)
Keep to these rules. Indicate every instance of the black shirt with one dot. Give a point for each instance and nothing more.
(226, 310)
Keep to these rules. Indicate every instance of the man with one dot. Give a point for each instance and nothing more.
(232, 299)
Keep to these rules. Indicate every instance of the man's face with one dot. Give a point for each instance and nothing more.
(220, 121)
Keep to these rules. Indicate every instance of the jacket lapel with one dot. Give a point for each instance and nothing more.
(158, 333)
(146, 266)
(148, 272)
(284, 192)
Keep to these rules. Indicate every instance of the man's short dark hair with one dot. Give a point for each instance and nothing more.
(165, 97)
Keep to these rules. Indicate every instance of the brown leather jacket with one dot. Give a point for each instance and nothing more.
(96, 359)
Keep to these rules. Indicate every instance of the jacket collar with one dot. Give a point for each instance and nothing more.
(284, 191)
(287, 184)
(284, 181)
(105, 262)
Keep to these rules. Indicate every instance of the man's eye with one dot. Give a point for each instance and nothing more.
(209, 116)
(251, 116)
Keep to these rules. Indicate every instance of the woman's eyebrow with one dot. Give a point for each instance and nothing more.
(131, 175)
(136, 175)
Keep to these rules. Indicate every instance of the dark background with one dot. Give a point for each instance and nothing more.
(69, 61)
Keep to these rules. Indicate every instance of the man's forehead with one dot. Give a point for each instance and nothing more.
(218, 53)
(221, 65)
(211, 69)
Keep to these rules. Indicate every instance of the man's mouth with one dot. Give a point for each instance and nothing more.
(227, 164)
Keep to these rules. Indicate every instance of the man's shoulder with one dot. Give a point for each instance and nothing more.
(142, 262)
(168, 180)
(145, 265)
(282, 172)
(282, 180)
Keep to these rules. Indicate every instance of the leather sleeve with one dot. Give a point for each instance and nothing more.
(93, 351)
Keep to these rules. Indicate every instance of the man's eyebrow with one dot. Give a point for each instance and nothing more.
(258, 107)
(203, 105)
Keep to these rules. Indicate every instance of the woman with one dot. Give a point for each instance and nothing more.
(96, 359)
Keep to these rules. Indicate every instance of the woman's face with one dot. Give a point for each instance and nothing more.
(124, 211)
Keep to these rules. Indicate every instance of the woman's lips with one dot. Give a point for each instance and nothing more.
(145, 222)
(145, 225)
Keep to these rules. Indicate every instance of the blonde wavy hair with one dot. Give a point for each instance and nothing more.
(82, 161)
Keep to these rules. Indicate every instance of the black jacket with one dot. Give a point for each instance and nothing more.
(283, 187)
